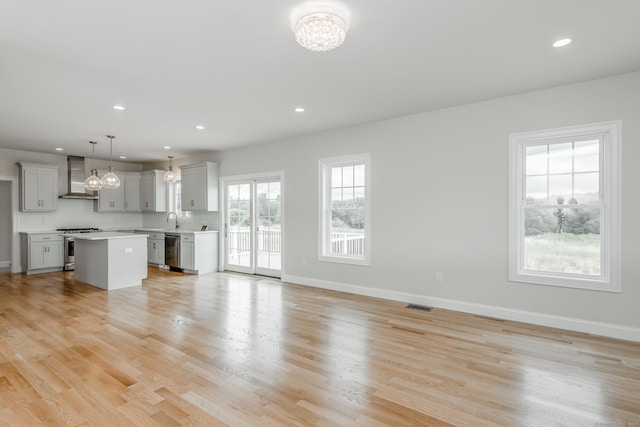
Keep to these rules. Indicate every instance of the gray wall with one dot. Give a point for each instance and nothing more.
(439, 199)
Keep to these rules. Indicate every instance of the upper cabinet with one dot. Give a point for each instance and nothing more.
(199, 187)
(125, 198)
(38, 187)
(154, 191)
(132, 191)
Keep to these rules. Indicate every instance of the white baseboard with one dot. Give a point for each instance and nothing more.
(4, 264)
(578, 325)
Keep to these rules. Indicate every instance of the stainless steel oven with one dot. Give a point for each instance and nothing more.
(69, 244)
(69, 257)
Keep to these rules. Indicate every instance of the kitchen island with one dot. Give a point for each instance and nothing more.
(111, 260)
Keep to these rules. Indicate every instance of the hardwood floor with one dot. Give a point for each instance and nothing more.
(225, 349)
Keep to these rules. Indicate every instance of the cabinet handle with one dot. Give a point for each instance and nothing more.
(146, 204)
(125, 205)
(192, 203)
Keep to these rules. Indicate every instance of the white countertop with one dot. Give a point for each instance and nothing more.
(41, 232)
(104, 235)
(170, 230)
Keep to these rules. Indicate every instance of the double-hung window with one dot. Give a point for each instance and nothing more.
(345, 225)
(564, 207)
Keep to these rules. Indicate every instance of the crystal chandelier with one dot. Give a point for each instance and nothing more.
(170, 175)
(110, 181)
(93, 182)
(320, 26)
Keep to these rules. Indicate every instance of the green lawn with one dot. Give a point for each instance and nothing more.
(563, 253)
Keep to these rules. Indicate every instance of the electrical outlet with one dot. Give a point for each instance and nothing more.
(439, 277)
(304, 261)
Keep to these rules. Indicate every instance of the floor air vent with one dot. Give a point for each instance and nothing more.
(419, 307)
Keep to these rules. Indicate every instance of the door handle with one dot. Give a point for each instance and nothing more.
(225, 230)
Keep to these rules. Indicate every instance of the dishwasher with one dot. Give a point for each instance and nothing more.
(172, 251)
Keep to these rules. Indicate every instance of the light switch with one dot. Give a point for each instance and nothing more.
(128, 250)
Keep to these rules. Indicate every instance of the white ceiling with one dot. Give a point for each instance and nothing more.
(234, 66)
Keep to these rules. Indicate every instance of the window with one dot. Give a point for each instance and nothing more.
(175, 201)
(345, 226)
(564, 207)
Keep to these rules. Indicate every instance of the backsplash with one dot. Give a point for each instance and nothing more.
(159, 220)
(77, 213)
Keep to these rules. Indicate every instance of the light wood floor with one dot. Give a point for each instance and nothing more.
(225, 349)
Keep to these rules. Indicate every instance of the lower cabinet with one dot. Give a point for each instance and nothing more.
(187, 252)
(155, 249)
(42, 252)
(199, 252)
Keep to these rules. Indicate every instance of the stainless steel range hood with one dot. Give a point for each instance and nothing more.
(76, 175)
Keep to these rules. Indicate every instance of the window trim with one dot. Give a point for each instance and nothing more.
(324, 221)
(611, 134)
(173, 199)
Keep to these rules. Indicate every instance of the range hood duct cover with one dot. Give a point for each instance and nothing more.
(76, 174)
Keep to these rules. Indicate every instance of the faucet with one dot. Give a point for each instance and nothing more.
(176, 215)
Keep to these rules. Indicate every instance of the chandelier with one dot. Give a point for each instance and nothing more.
(320, 26)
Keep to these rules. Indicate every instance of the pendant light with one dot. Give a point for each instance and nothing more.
(170, 175)
(93, 182)
(110, 180)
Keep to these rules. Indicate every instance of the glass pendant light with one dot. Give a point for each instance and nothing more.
(110, 180)
(93, 182)
(170, 175)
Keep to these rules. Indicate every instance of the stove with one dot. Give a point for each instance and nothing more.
(69, 244)
(77, 230)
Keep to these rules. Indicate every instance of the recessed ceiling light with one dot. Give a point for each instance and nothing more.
(166, 147)
(59, 149)
(123, 157)
(561, 42)
(118, 107)
(200, 127)
(299, 110)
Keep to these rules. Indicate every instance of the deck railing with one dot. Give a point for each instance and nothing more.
(269, 240)
(347, 243)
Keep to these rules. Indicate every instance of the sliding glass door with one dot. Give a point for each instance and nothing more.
(253, 226)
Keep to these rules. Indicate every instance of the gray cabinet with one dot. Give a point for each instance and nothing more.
(125, 198)
(42, 252)
(199, 187)
(154, 191)
(199, 252)
(131, 191)
(155, 249)
(187, 252)
(38, 187)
